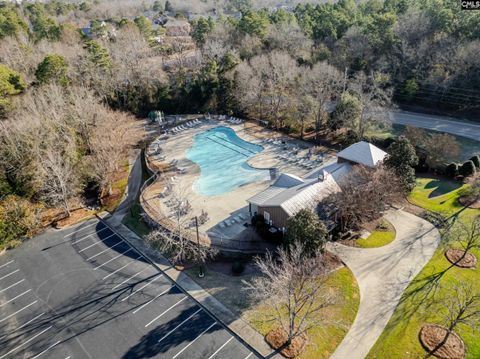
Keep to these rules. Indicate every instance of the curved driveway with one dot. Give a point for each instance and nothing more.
(382, 275)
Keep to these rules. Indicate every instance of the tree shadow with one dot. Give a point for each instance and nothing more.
(183, 329)
(441, 187)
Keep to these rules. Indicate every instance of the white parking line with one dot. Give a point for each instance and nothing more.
(18, 296)
(88, 235)
(46, 350)
(9, 274)
(25, 342)
(193, 341)
(165, 311)
(23, 325)
(6, 264)
(96, 242)
(249, 355)
(151, 300)
(81, 229)
(178, 326)
(121, 254)
(144, 286)
(133, 276)
(216, 351)
(18, 311)
(106, 249)
(13, 285)
(122, 267)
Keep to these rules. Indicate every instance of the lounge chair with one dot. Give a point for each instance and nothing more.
(242, 216)
(227, 222)
(221, 225)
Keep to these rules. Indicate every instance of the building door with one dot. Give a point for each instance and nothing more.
(266, 215)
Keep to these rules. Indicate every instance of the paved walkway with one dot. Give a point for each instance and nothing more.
(382, 275)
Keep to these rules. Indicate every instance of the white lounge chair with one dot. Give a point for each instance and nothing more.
(221, 225)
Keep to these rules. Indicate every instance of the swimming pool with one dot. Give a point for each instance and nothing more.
(222, 157)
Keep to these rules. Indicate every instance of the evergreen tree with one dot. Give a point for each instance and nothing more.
(306, 228)
(402, 159)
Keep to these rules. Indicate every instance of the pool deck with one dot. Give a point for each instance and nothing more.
(223, 207)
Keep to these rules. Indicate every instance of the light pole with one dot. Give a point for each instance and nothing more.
(201, 272)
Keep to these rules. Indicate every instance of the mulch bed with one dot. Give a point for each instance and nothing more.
(453, 255)
(432, 335)
(276, 338)
(468, 202)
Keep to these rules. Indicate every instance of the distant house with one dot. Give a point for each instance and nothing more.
(289, 193)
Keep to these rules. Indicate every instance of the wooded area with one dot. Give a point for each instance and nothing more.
(73, 75)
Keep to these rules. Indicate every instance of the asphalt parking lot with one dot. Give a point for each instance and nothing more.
(86, 293)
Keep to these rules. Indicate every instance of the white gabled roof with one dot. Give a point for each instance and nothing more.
(363, 153)
(288, 180)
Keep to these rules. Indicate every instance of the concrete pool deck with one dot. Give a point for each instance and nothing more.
(229, 206)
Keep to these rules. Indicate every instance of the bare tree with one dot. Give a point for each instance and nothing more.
(440, 148)
(60, 181)
(365, 194)
(294, 286)
(461, 307)
(466, 234)
(177, 240)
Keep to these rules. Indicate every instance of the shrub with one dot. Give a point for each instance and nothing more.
(467, 169)
(237, 268)
(476, 160)
(451, 170)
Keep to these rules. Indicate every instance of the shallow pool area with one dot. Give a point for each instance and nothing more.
(222, 157)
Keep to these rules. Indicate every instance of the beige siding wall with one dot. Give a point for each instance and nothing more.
(277, 215)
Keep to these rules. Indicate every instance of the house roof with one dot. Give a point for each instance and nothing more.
(301, 193)
(363, 153)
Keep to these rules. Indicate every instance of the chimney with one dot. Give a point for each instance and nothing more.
(322, 176)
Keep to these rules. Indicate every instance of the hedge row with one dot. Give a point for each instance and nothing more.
(468, 168)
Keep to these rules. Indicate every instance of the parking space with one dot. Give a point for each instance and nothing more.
(86, 293)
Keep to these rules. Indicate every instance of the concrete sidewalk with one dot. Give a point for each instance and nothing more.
(383, 274)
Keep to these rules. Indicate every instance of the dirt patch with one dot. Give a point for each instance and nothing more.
(277, 338)
(75, 217)
(469, 202)
(432, 337)
(454, 256)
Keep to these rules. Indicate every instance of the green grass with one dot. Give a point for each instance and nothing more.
(324, 338)
(446, 204)
(134, 221)
(376, 239)
(422, 301)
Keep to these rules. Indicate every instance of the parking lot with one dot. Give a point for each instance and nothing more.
(86, 293)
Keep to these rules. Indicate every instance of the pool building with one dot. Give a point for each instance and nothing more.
(289, 193)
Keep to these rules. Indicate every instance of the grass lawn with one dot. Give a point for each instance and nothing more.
(338, 318)
(376, 239)
(421, 302)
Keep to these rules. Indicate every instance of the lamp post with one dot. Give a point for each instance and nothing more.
(201, 272)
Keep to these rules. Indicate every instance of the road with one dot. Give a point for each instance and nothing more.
(84, 292)
(437, 123)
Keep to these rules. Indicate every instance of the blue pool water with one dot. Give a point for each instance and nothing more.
(222, 157)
